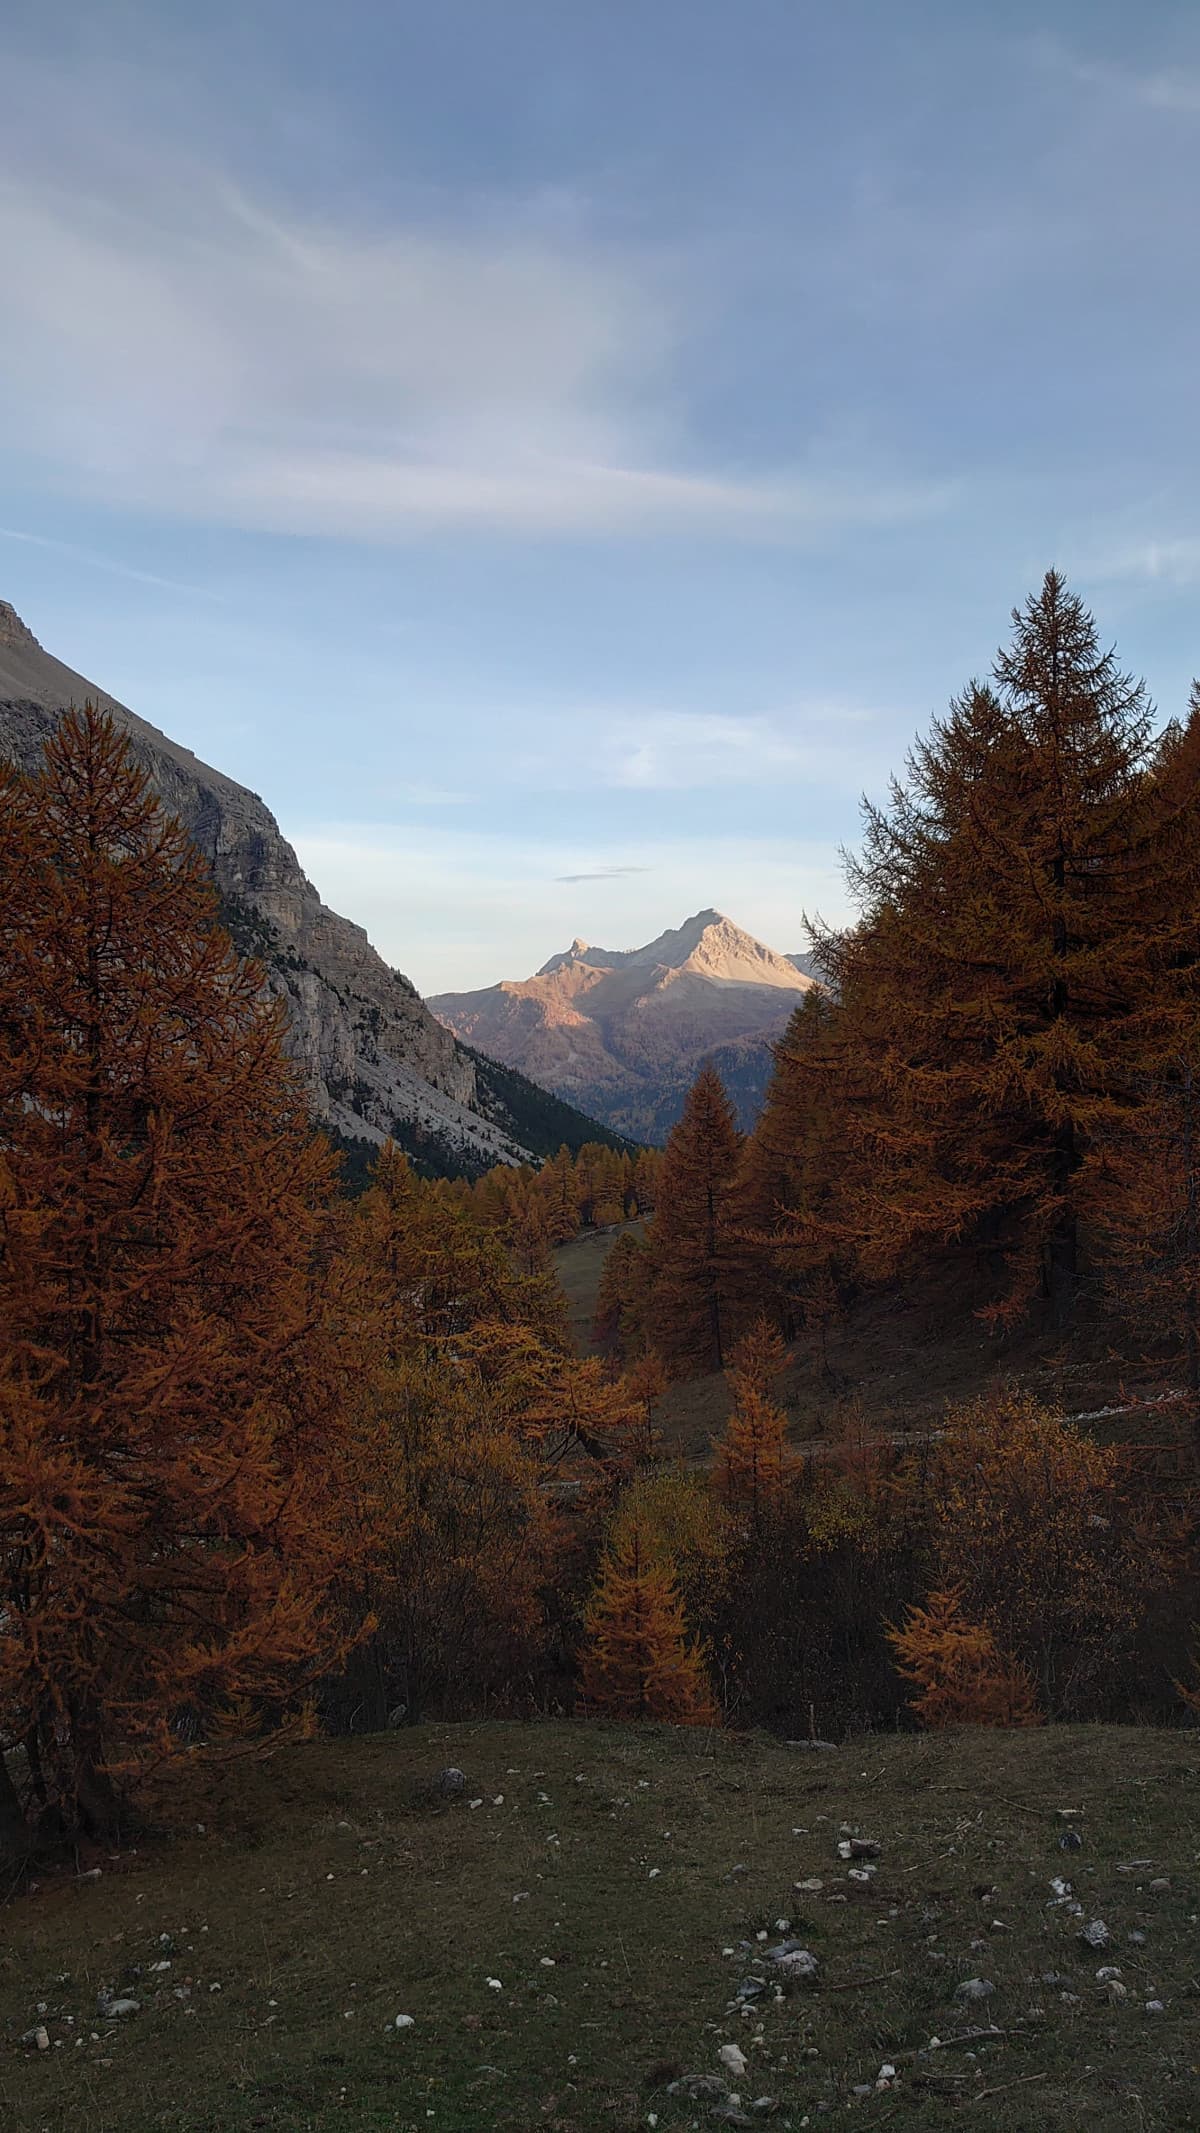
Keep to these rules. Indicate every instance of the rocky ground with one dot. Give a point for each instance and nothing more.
(598, 1928)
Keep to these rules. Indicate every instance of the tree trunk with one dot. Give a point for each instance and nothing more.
(94, 1797)
(14, 1829)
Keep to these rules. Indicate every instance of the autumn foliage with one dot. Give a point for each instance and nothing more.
(963, 1676)
(271, 1455)
(167, 1522)
(637, 1661)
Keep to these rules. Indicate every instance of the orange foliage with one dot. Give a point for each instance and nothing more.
(1029, 1525)
(963, 1676)
(700, 1284)
(637, 1662)
(167, 1522)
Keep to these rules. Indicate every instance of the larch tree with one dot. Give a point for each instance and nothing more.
(753, 1464)
(637, 1661)
(1005, 984)
(699, 1257)
(167, 1524)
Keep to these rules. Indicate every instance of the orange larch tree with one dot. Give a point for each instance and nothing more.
(1027, 917)
(167, 1527)
(637, 1662)
(753, 1463)
(963, 1677)
(698, 1254)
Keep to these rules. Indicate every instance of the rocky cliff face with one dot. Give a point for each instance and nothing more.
(622, 1032)
(375, 1059)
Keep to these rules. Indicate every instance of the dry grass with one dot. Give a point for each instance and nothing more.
(602, 1881)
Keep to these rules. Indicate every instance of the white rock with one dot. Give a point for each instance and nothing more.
(1155, 2007)
(733, 2057)
(404, 2022)
(494, 1984)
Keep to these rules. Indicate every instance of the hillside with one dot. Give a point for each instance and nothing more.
(621, 1032)
(376, 1061)
(576, 1941)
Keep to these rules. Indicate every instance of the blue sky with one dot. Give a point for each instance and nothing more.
(560, 451)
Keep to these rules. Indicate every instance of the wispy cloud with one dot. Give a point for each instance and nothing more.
(1166, 88)
(95, 560)
(604, 874)
(183, 346)
(679, 751)
(1173, 562)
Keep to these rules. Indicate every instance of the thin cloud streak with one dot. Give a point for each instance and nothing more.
(184, 348)
(605, 874)
(96, 561)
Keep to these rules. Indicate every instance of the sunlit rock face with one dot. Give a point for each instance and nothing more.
(375, 1059)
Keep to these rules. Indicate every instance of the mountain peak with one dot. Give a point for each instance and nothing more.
(13, 631)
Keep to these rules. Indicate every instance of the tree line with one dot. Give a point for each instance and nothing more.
(997, 1081)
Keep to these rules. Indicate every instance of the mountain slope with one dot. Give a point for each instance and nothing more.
(375, 1059)
(621, 1032)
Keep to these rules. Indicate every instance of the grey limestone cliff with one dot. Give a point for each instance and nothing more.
(375, 1059)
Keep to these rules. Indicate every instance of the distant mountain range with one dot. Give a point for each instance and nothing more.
(376, 1061)
(622, 1032)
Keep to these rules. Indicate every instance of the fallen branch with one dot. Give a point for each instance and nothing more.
(969, 2036)
(852, 1984)
(1022, 2081)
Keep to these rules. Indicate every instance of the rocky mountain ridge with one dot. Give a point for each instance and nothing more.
(621, 1032)
(376, 1061)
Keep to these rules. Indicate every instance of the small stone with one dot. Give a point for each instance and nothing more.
(494, 1984)
(700, 2088)
(974, 1988)
(1095, 1934)
(734, 2058)
(37, 2039)
(1070, 1841)
(1159, 1886)
(1106, 1971)
(1155, 2007)
(450, 1783)
(1113, 1989)
(750, 1988)
(1136, 1939)
(799, 1966)
(118, 2010)
(811, 1887)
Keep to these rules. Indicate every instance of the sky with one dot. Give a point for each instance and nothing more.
(560, 453)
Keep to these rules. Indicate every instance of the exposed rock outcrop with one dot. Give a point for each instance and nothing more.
(376, 1060)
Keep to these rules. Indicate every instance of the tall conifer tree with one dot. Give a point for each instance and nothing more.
(166, 1519)
(699, 1255)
